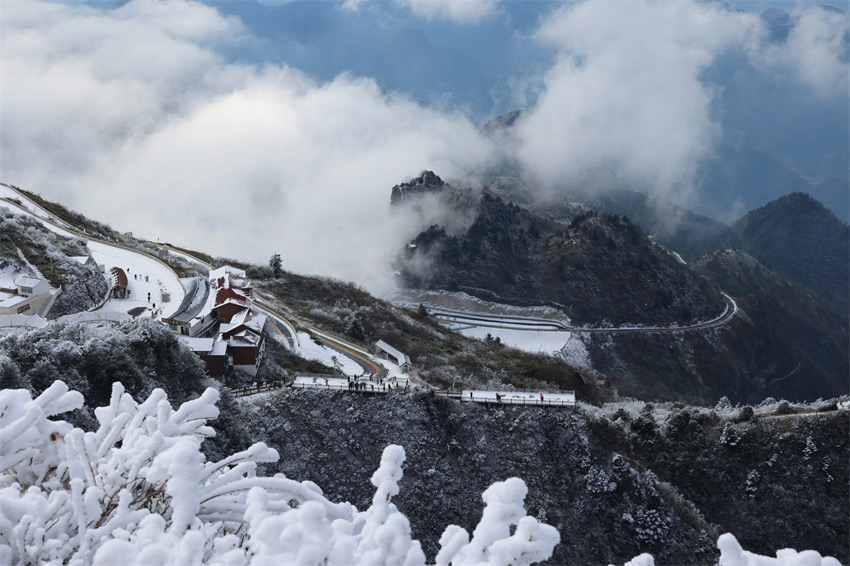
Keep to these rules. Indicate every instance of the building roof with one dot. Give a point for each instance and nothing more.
(219, 348)
(400, 358)
(234, 296)
(195, 300)
(250, 319)
(227, 270)
(13, 300)
(245, 339)
(28, 281)
(198, 345)
(118, 277)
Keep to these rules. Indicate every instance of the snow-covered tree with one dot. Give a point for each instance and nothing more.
(138, 490)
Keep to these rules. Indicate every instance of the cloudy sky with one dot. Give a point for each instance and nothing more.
(146, 117)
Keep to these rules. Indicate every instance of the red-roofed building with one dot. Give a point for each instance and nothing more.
(118, 279)
(229, 301)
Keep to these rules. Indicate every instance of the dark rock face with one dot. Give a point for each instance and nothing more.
(801, 239)
(775, 481)
(582, 472)
(427, 182)
(606, 511)
(599, 269)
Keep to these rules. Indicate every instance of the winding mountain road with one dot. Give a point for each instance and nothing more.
(542, 324)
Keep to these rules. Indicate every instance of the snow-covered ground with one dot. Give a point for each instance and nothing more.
(537, 342)
(307, 348)
(6, 192)
(160, 277)
(518, 397)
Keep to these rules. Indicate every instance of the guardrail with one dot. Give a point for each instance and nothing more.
(254, 389)
(48, 304)
(521, 401)
(336, 387)
(535, 400)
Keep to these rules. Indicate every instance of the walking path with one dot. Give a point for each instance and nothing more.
(544, 398)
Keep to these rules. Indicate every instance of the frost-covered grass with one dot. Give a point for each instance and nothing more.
(441, 358)
(43, 251)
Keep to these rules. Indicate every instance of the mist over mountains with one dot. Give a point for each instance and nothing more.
(309, 103)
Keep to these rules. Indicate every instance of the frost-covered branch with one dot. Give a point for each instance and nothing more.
(139, 491)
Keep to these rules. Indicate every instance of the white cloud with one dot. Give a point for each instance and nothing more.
(457, 11)
(626, 92)
(131, 117)
(816, 52)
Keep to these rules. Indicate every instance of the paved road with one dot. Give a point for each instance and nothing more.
(542, 324)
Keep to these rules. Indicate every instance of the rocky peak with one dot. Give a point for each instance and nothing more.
(427, 182)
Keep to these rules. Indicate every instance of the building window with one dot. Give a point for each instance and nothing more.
(26, 290)
(184, 330)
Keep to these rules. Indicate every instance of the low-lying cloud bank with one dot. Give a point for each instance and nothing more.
(133, 116)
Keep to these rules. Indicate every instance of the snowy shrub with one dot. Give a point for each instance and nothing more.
(597, 481)
(784, 408)
(810, 449)
(650, 526)
(622, 414)
(751, 486)
(744, 414)
(139, 490)
(730, 436)
(731, 554)
(677, 423)
(828, 405)
(492, 542)
(643, 426)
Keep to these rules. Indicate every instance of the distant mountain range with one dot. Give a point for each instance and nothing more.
(786, 264)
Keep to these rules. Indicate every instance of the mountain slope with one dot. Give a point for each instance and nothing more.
(800, 238)
(803, 333)
(599, 269)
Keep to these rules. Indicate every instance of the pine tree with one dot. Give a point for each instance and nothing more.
(276, 265)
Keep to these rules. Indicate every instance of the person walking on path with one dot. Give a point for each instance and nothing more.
(541, 397)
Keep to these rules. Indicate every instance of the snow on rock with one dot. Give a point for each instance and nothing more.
(575, 352)
(139, 491)
(641, 560)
